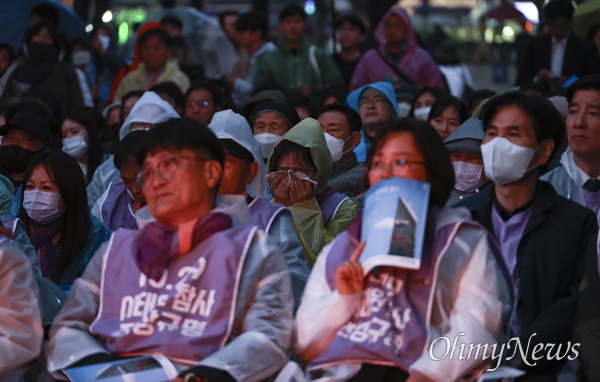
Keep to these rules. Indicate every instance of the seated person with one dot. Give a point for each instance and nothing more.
(230, 314)
(54, 209)
(272, 119)
(146, 112)
(438, 300)
(21, 331)
(464, 145)
(117, 206)
(243, 174)
(299, 169)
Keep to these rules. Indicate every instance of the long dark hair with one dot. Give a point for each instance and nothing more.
(91, 120)
(438, 167)
(76, 222)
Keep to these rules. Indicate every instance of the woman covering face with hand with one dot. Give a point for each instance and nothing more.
(298, 170)
(381, 324)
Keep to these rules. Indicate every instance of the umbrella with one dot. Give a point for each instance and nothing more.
(14, 20)
(586, 15)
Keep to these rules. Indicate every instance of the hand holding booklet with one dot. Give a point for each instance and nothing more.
(150, 368)
(393, 226)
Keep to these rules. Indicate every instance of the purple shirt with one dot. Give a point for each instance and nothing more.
(509, 234)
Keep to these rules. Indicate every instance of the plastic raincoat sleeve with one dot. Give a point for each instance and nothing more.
(309, 225)
(105, 173)
(471, 315)
(21, 237)
(6, 195)
(21, 331)
(70, 337)
(322, 312)
(282, 231)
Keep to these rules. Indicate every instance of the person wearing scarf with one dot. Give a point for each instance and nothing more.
(216, 293)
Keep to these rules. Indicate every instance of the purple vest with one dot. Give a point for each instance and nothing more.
(330, 202)
(118, 208)
(390, 327)
(263, 213)
(188, 314)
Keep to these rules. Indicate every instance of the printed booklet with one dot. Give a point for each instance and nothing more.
(148, 368)
(393, 226)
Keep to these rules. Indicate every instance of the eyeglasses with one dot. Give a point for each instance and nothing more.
(166, 167)
(396, 165)
(194, 104)
(367, 101)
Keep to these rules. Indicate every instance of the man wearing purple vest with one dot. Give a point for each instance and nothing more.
(198, 285)
(543, 236)
(244, 174)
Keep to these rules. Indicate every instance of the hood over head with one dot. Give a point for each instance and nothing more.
(386, 88)
(308, 133)
(410, 38)
(150, 108)
(227, 124)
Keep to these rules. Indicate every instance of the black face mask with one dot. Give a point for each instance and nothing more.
(42, 52)
(14, 159)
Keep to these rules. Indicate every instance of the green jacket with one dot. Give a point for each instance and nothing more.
(307, 215)
(286, 71)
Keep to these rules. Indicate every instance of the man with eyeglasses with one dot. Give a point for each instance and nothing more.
(377, 105)
(213, 292)
(202, 101)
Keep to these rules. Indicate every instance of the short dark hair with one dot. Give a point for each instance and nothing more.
(129, 94)
(438, 167)
(301, 153)
(252, 21)
(353, 118)
(434, 90)
(479, 96)
(172, 20)
(179, 134)
(353, 20)
(76, 221)
(127, 148)
(556, 8)
(223, 14)
(292, 10)
(213, 89)
(162, 35)
(443, 103)
(46, 11)
(590, 82)
(171, 89)
(545, 119)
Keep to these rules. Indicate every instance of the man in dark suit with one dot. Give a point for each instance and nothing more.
(543, 236)
(553, 58)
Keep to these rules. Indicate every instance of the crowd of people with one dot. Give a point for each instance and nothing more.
(206, 204)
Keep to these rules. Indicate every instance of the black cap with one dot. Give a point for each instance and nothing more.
(232, 147)
(34, 125)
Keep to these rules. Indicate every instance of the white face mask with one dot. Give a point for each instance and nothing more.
(104, 41)
(81, 58)
(504, 161)
(42, 206)
(75, 146)
(403, 109)
(335, 146)
(267, 142)
(468, 176)
(422, 113)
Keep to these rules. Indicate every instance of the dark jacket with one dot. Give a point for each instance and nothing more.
(587, 323)
(550, 267)
(580, 58)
